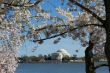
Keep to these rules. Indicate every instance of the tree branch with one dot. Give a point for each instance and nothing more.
(68, 25)
(50, 27)
(88, 10)
(101, 65)
(37, 2)
(81, 26)
(25, 4)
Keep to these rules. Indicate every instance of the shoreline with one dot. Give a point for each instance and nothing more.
(57, 62)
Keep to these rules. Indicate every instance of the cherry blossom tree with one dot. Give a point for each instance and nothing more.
(13, 13)
(16, 26)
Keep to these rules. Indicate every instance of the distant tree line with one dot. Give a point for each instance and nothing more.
(40, 58)
(27, 59)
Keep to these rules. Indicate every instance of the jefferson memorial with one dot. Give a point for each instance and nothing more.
(59, 54)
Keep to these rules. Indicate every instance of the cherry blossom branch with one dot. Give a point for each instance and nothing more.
(25, 4)
(81, 26)
(51, 26)
(88, 10)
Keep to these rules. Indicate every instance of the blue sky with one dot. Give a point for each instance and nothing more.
(48, 47)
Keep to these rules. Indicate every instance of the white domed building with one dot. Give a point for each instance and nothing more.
(59, 54)
(63, 52)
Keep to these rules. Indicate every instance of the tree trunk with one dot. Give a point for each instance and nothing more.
(89, 59)
(107, 28)
(107, 44)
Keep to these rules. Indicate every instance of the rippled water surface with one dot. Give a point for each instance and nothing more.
(55, 68)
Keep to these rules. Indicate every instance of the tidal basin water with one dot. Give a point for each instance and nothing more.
(55, 68)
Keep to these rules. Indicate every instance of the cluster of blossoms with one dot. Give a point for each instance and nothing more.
(9, 40)
(22, 15)
(44, 15)
(65, 13)
(10, 32)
